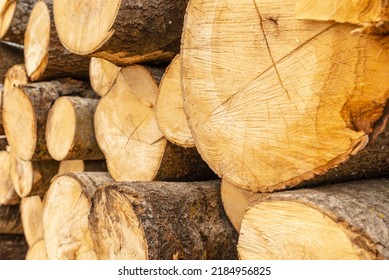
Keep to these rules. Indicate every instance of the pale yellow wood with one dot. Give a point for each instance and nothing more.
(37, 251)
(31, 211)
(71, 166)
(170, 108)
(289, 230)
(272, 100)
(7, 10)
(102, 75)
(126, 127)
(22, 175)
(37, 40)
(8, 195)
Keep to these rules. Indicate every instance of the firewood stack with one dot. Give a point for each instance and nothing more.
(121, 118)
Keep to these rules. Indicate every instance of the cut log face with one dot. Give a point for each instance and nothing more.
(304, 103)
(70, 129)
(7, 10)
(102, 75)
(65, 215)
(343, 221)
(128, 32)
(37, 251)
(170, 108)
(161, 220)
(8, 196)
(31, 211)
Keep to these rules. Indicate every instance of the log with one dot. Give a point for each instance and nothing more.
(303, 104)
(66, 166)
(12, 247)
(126, 128)
(8, 196)
(129, 31)
(25, 111)
(37, 251)
(310, 223)
(10, 220)
(70, 130)
(102, 75)
(161, 220)
(45, 57)
(10, 55)
(170, 108)
(372, 15)
(13, 19)
(31, 178)
(31, 212)
(65, 215)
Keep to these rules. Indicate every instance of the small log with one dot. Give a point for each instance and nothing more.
(14, 16)
(65, 215)
(12, 247)
(126, 128)
(45, 57)
(102, 75)
(304, 103)
(70, 131)
(25, 111)
(31, 212)
(170, 107)
(129, 32)
(10, 220)
(31, 178)
(37, 251)
(82, 166)
(372, 15)
(161, 220)
(342, 221)
(10, 56)
(8, 196)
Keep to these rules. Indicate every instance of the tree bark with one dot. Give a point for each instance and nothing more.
(45, 56)
(13, 20)
(130, 31)
(126, 127)
(8, 196)
(25, 114)
(65, 214)
(352, 217)
(170, 107)
(161, 220)
(70, 131)
(304, 103)
(372, 15)
(10, 220)
(10, 55)
(12, 247)
(30, 178)
(31, 212)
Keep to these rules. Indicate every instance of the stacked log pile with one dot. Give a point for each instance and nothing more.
(251, 131)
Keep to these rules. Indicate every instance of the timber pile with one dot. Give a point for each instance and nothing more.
(264, 95)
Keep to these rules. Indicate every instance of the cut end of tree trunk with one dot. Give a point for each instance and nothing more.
(37, 40)
(76, 23)
(7, 10)
(8, 196)
(170, 107)
(61, 128)
(37, 251)
(31, 211)
(71, 166)
(102, 75)
(22, 175)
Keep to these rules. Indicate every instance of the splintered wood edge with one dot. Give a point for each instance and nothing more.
(170, 113)
(22, 175)
(291, 230)
(65, 221)
(84, 26)
(37, 40)
(19, 122)
(61, 128)
(102, 75)
(7, 10)
(118, 232)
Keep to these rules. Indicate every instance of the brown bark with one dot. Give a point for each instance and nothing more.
(12, 247)
(352, 217)
(3, 143)
(161, 220)
(45, 56)
(70, 131)
(13, 20)
(10, 222)
(65, 214)
(130, 31)
(10, 55)
(25, 114)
